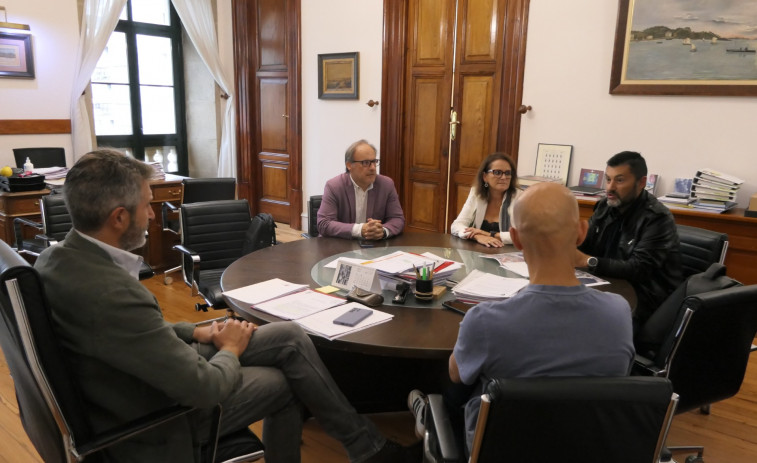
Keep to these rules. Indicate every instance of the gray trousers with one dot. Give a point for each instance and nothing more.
(281, 374)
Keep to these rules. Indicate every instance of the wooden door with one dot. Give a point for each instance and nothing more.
(463, 56)
(266, 53)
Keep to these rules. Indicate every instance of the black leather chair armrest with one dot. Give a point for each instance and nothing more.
(49, 241)
(18, 229)
(643, 366)
(439, 431)
(169, 214)
(190, 263)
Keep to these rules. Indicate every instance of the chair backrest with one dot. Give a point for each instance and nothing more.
(56, 221)
(215, 230)
(597, 419)
(711, 358)
(700, 248)
(208, 189)
(657, 338)
(49, 394)
(314, 203)
(40, 157)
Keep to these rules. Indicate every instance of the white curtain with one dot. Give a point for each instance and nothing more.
(197, 18)
(99, 19)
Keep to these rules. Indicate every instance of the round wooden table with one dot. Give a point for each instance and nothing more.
(378, 366)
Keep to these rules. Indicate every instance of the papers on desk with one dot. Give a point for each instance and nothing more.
(310, 309)
(264, 291)
(482, 286)
(398, 267)
(299, 305)
(322, 323)
(514, 262)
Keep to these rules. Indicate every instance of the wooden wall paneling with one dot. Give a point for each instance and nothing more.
(392, 90)
(34, 126)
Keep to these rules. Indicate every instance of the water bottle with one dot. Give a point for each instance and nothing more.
(28, 166)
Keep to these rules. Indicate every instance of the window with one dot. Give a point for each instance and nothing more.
(138, 87)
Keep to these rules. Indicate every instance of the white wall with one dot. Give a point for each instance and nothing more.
(55, 28)
(330, 126)
(567, 80)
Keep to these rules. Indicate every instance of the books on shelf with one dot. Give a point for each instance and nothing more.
(673, 198)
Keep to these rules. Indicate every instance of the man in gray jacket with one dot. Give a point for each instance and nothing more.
(129, 361)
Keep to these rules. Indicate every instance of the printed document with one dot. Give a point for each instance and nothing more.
(322, 323)
(263, 291)
(299, 304)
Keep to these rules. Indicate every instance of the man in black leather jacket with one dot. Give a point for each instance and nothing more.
(632, 236)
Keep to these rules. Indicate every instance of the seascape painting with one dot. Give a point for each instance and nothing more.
(700, 43)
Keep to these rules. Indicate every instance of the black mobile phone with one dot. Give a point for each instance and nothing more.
(365, 244)
(456, 305)
(353, 316)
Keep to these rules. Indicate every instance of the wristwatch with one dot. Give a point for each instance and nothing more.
(592, 262)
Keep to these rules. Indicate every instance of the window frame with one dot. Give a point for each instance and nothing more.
(138, 141)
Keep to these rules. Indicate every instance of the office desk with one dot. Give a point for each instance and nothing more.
(376, 367)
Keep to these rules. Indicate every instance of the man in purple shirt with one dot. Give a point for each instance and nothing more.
(360, 203)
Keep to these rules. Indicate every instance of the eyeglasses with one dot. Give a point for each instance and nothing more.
(500, 173)
(367, 162)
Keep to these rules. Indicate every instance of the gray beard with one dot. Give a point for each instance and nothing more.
(133, 238)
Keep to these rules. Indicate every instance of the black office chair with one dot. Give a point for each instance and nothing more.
(314, 203)
(51, 407)
(55, 225)
(551, 419)
(56, 222)
(40, 157)
(708, 348)
(700, 248)
(195, 190)
(212, 237)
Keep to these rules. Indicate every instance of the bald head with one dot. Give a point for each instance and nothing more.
(547, 213)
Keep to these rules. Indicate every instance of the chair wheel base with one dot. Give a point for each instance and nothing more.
(167, 281)
(201, 307)
(694, 459)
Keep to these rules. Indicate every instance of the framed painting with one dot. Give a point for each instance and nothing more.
(679, 47)
(338, 76)
(16, 55)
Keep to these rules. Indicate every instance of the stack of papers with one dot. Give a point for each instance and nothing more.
(322, 323)
(481, 286)
(51, 173)
(400, 266)
(264, 291)
(312, 310)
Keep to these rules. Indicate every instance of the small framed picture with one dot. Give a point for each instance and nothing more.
(553, 161)
(338, 76)
(16, 58)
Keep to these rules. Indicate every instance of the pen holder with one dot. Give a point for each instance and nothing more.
(424, 290)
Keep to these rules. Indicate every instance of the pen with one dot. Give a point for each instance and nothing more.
(417, 273)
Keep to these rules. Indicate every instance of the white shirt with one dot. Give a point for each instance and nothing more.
(361, 204)
(124, 259)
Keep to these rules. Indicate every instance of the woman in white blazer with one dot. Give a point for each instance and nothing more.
(485, 217)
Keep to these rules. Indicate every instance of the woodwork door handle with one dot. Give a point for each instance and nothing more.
(524, 109)
(453, 123)
(285, 115)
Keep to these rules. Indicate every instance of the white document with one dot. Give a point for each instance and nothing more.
(322, 323)
(263, 291)
(398, 262)
(351, 260)
(517, 267)
(299, 304)
(482, 285)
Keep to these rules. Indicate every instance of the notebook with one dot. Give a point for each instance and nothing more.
(589, 182)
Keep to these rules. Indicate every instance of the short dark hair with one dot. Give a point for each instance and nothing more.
(478, 182)
(101, 181)
(633, 159)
